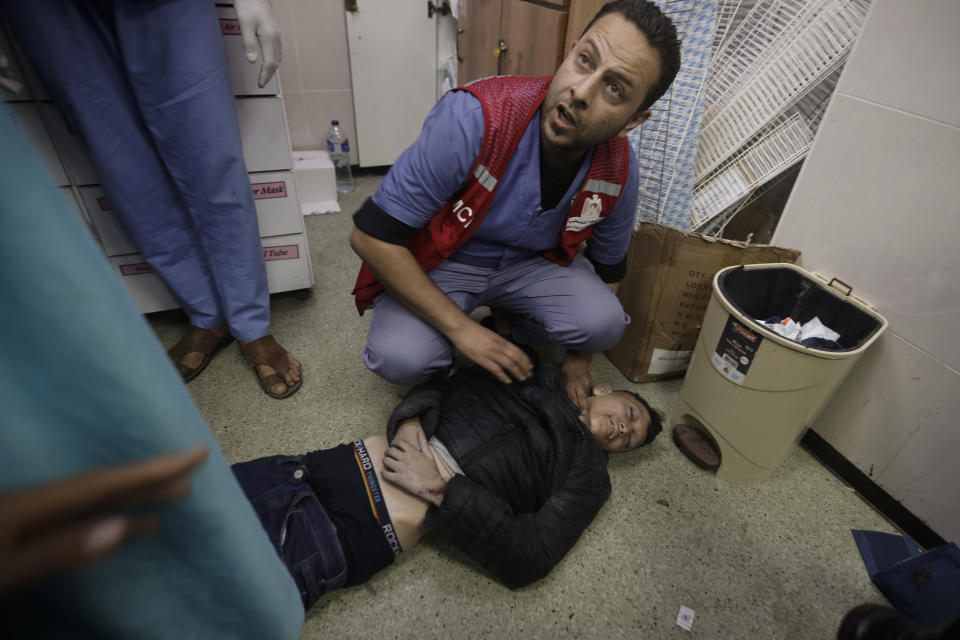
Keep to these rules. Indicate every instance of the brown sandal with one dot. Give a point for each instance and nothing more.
(197, 340)
(267, 352)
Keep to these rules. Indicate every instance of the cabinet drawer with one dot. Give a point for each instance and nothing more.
(277, 202)
(274, 196)
(288, 262)
(145, 287)
(263, 132)
(114, 239)
(286, 257)
(70, 144)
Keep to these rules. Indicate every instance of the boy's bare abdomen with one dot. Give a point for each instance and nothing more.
(406, 511)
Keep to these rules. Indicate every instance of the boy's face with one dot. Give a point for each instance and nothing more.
(617, 420)
(597, 91)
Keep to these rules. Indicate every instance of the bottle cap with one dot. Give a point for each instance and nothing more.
(335, 122)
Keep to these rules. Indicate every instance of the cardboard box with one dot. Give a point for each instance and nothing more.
(317, 182)
(665, 292)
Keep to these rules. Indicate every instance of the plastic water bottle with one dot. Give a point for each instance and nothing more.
(338, 146)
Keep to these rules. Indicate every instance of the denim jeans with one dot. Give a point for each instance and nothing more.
(295, 522)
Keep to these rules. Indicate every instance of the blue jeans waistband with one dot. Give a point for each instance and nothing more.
(377, 504)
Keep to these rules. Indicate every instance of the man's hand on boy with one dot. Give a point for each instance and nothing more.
(505, 360)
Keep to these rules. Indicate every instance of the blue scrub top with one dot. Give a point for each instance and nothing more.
(516, 227)
(84, 383)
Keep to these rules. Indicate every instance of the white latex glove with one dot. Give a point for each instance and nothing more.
(258, 25)
(8, 83)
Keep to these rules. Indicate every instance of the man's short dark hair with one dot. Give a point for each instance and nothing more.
(660, 33)
(656, 418)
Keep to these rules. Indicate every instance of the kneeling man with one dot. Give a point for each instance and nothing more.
(491, 205)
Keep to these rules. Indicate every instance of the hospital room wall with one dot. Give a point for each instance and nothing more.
(876, 204)
(315, 72)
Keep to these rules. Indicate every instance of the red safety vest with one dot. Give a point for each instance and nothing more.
(509, 103)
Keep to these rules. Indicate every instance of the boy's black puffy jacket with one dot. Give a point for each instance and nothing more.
(534, 476)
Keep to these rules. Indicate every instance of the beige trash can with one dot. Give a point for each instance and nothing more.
(753, 392)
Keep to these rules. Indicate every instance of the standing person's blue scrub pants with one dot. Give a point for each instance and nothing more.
(85, 384)
(145, 83)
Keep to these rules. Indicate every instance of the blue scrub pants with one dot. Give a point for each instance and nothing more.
(145, 82)
(567, 306)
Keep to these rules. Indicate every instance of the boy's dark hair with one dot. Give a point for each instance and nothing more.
(656, 418)
(659, 31)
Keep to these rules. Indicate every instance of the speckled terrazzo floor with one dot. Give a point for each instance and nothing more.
(770, 561)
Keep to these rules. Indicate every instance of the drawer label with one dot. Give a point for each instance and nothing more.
(135, 269)
(230, 26)
(263, 190)
(287, 252)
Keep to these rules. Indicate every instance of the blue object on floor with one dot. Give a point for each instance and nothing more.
(924, 585)
(882, 550)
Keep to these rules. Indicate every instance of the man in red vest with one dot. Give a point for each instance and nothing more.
(509, 178)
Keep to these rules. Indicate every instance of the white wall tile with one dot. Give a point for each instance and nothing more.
(290, 62)
(907, 58)
(321, 37)
(886, 397)
(297, 121)
(924, 475)
(876, 205)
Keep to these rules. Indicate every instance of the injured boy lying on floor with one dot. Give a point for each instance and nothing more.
(509, 474)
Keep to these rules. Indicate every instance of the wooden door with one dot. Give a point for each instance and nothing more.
(479, 33)
(534, 37)
(581, 13)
